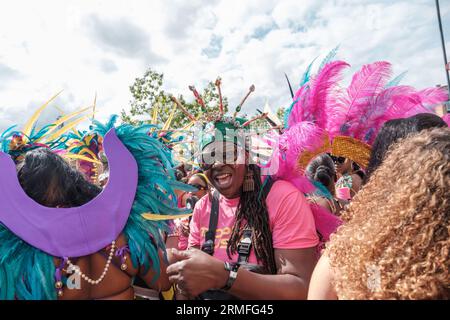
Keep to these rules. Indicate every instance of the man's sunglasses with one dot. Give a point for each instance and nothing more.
(339, 160)
(209, 159)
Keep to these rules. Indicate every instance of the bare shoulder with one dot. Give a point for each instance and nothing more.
(321, 285)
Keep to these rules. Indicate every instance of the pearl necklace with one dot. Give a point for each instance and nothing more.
(105, 269)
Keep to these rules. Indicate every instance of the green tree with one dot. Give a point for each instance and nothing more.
(148, 94)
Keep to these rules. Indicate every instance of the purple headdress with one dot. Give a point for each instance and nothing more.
(58, 231)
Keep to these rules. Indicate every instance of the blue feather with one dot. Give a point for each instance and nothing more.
(307, 74)
(394, 82)
(330, 56)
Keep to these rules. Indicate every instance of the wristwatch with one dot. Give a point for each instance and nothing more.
(233, 269)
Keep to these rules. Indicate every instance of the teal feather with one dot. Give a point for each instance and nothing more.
(8, 132)
(306, 76)
(330, 56)
(155, 192)
(28, 273)
(395, 82)
(287, 113)
(321, 190)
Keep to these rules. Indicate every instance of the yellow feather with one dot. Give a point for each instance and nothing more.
(89, 152)
(169, 120)
(95, 106)
(29, 125)
(155, 114)
(80, 157)
(60, 121)
(66, 128)
(76, 132)
(186, 127)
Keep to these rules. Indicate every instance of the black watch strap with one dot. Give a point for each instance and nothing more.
(233, 269)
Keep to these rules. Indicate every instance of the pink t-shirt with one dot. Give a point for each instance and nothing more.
(290, 218)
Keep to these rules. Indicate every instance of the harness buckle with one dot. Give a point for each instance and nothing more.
(244, 246)
(208, 247)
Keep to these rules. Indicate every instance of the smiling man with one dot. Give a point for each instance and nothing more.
(252, 238)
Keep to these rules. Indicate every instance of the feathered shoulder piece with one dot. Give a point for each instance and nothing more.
(155, 197)
(29, 273)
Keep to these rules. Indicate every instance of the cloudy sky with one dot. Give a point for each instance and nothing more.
(87, 47)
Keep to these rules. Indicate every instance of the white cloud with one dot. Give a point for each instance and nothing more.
(88, 47)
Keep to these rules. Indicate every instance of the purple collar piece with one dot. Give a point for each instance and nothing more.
(72, 232)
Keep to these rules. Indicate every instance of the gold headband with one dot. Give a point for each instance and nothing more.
(351, 148)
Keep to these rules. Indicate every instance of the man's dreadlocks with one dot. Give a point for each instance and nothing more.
(252, 214)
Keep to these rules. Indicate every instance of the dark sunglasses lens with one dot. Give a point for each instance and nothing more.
(339, 160)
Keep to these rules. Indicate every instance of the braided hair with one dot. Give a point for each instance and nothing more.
(252, 214)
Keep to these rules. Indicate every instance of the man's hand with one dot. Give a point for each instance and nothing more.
(196, 272)
(185, 230)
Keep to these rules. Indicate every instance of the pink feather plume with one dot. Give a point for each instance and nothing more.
(313, 97)
(446, 118)
(432, 96)
(303, 136)
(353, 105)
(322, 85)
(297, 112)
(380, 110)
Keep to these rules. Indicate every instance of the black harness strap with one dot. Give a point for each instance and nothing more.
(210, 235)
(245, 246)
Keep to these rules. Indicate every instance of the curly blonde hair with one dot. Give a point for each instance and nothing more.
(395, 244)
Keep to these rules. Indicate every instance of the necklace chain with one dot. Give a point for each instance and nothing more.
(105, 269)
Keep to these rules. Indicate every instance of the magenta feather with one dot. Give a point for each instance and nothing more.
(377, 113)
(303, 184)
(432, 96)
(303, 136)
(312, 98)
(365, 84)
(446, 118)
(326, 222)
(298, 108)
(404, 106)
(322, 86)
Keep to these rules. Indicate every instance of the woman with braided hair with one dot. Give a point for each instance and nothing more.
(257, 237)
(322, 172)
(264, 244)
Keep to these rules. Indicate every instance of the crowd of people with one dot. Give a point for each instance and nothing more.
(353, 202)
